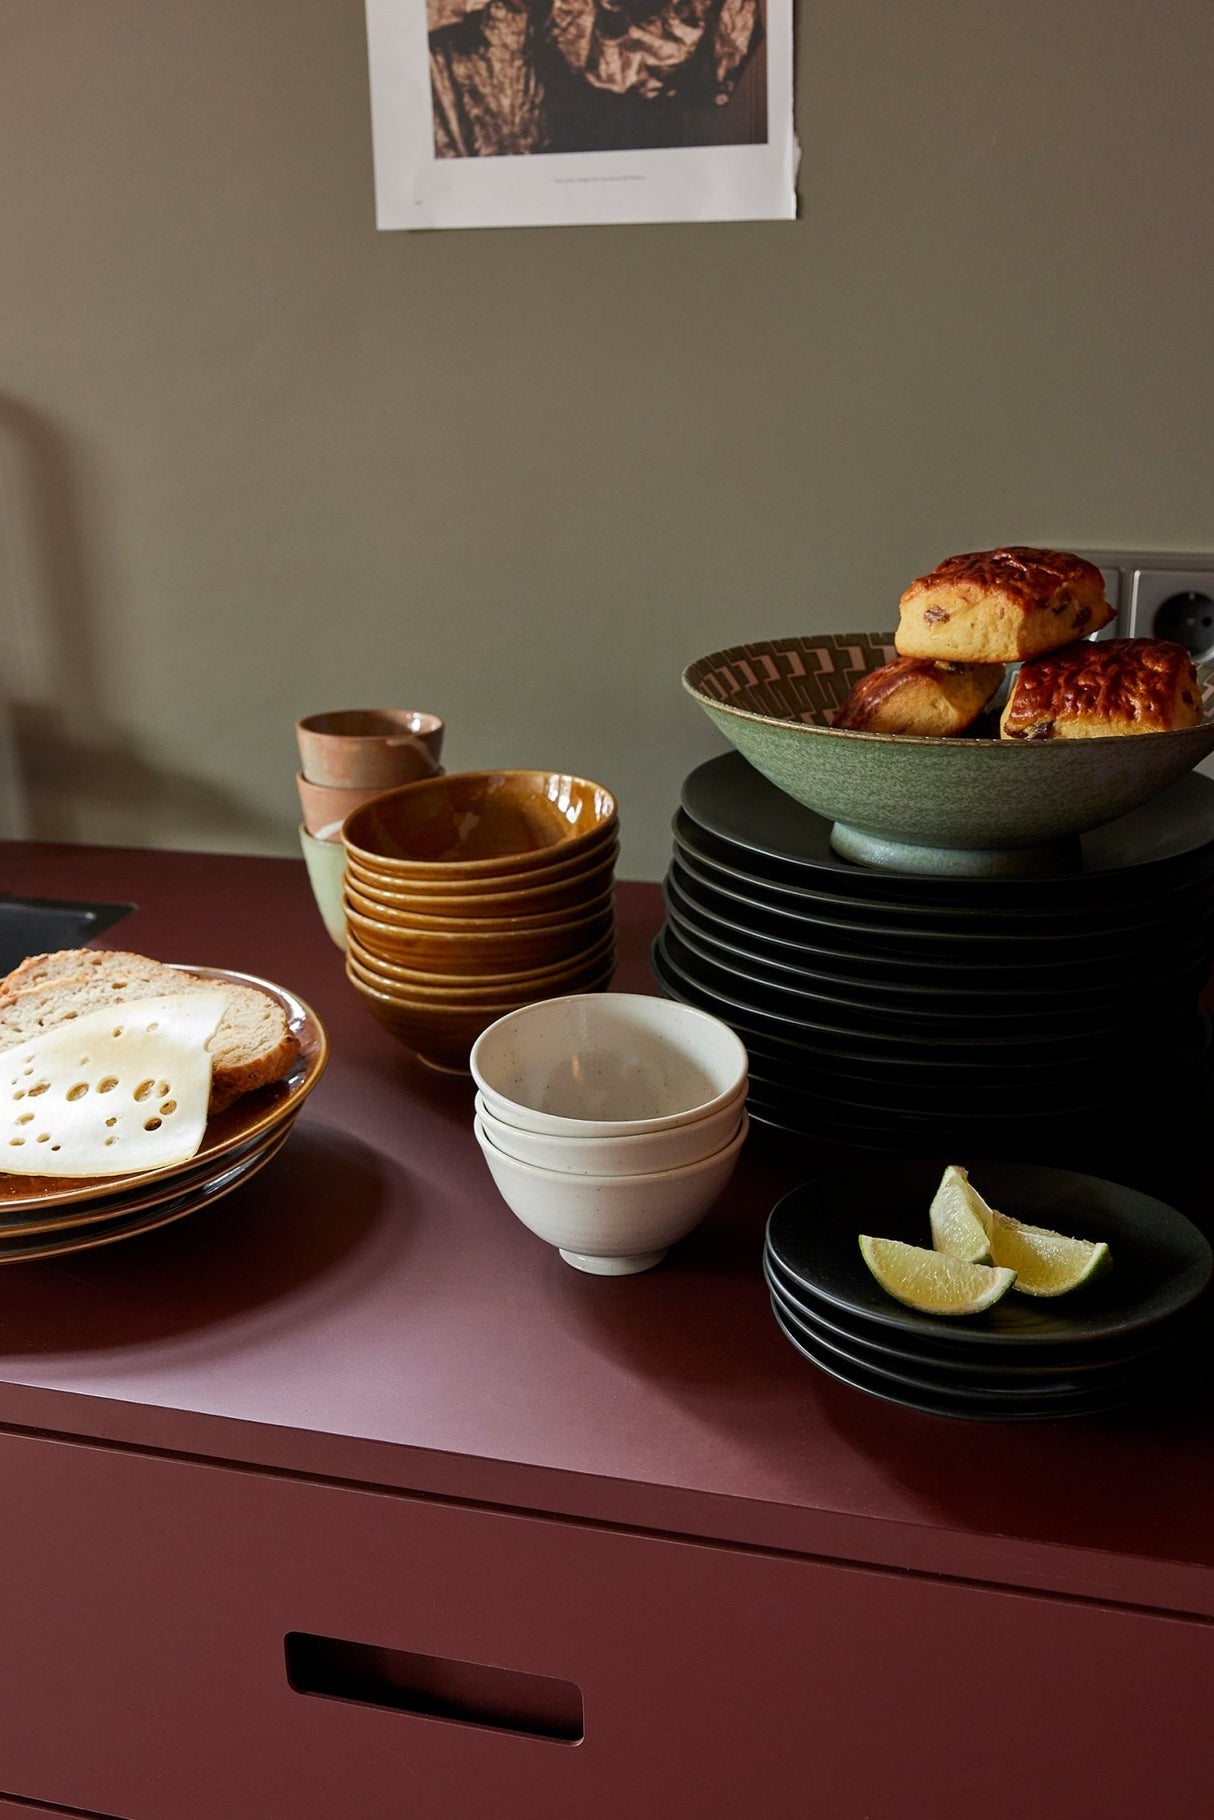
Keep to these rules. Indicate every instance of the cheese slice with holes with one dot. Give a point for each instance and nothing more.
(111, 1092)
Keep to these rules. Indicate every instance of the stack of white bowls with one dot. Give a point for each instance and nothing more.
(610, 1122)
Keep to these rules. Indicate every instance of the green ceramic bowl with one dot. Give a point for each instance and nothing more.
(971, 807)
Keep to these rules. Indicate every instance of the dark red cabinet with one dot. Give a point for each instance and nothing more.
(349, 1500)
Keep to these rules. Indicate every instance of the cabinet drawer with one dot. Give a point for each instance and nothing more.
(563, 1672)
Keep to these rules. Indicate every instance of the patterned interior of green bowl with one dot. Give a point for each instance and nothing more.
(807, 679)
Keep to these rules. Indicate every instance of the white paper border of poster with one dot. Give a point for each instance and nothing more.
(413, 189)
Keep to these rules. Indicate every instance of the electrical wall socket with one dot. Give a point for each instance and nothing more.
(1160, 596)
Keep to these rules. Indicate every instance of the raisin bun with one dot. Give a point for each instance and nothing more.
(915, 695)
(1125, 685)
(998, 606)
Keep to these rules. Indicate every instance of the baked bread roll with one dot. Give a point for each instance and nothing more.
(997, 606)
(253, 1045)
(915, 695)
(1126, 685)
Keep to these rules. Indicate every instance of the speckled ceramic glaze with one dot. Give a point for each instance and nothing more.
(964, 806)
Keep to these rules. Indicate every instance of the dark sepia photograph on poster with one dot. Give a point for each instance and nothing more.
(499, 113)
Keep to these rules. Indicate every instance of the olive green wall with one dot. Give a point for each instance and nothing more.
(257, 459)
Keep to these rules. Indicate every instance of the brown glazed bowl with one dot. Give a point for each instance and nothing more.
(508, 878)
(369, 748)
(375, 912)
(508, 991)
(475, 824)
(441, 1036)
(388, 977)
(562, 897)
(448, 951)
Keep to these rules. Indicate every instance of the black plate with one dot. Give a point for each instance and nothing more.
(1110, 911)
(958, 1384)
(937, 1008)
(696, 908)
(1162, 970)
(941, 1403)
(1170, 837)
(1019, 1068)
(829, 1095)
(1070, 1369)
(1161, 1262)
(870, 1032)
(862, 922)
(848, 954)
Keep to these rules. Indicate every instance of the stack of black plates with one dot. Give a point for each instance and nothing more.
(885, 1008)
(1107, 1344)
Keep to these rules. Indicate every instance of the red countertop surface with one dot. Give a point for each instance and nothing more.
(368, 1310)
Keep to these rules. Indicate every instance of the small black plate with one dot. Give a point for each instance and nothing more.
(1070, 1368)
(1160, 1261)
(941, 1403)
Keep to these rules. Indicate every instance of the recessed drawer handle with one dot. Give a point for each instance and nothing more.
(435, 1687)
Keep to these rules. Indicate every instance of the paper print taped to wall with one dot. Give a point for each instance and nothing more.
(512, 113)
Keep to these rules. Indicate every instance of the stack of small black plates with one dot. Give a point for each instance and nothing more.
(1108, 1344)
(884, 1009)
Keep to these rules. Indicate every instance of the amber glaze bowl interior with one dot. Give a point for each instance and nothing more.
(481, 823)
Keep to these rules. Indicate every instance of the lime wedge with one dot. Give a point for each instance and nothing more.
(959, 1218)
(1045, 1263)
(931, 1281)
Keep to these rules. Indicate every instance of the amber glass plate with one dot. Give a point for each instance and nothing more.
(30, 1203)
(104, 1227)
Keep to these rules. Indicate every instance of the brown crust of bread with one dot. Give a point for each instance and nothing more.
(918, 696)
(1124, 686)
(999, 606)
(253, 1046)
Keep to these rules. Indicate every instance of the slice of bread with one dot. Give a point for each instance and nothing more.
(253, 1045)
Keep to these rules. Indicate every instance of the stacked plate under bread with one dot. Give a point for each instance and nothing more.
(274, 1051)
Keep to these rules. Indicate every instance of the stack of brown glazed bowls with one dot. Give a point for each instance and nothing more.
(471, 894)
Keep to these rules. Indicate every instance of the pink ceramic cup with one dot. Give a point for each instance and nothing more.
(369, 748)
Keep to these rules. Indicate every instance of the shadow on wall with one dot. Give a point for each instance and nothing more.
(67, 771)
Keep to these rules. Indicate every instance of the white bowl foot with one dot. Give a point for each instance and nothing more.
(613, 1267)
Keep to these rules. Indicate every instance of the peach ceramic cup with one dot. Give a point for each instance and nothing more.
(325, 807)
(369, 748)
(481, 823)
